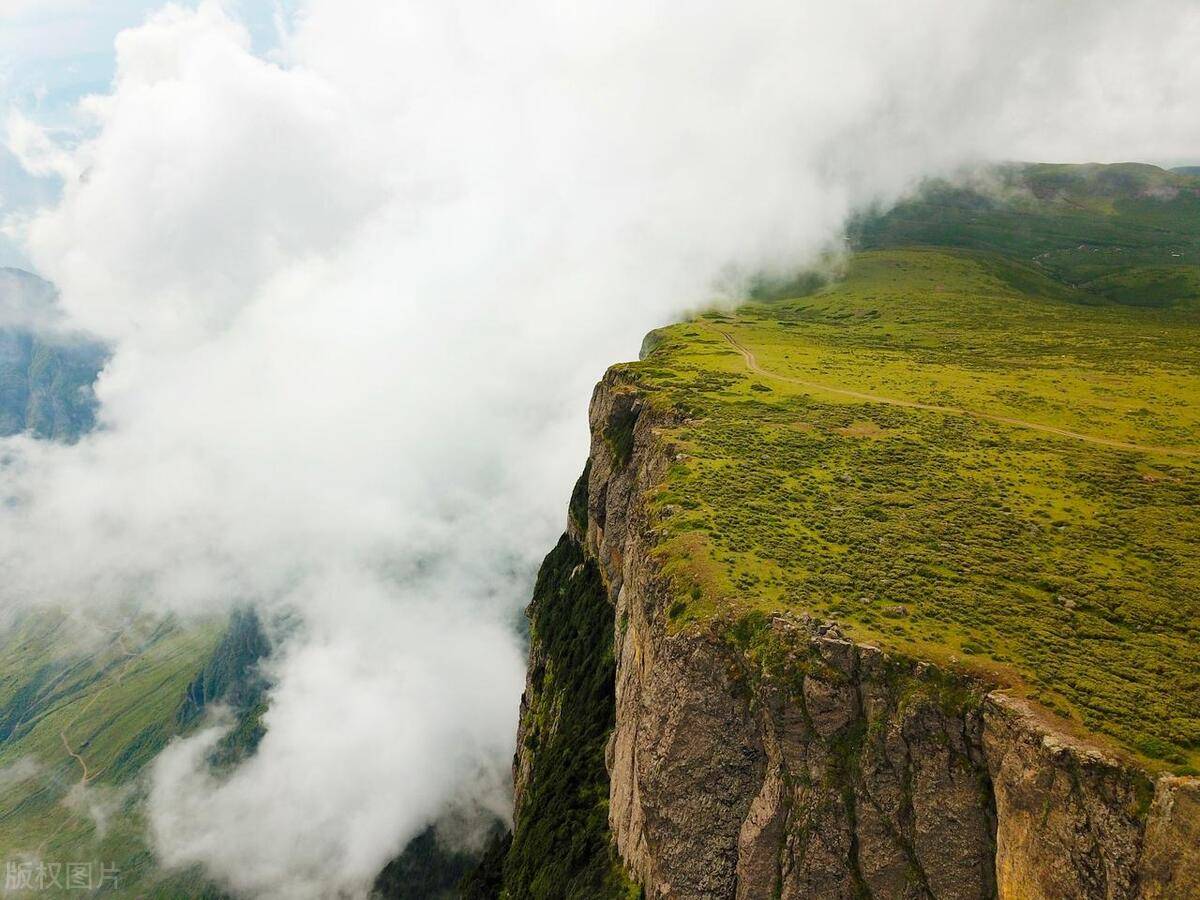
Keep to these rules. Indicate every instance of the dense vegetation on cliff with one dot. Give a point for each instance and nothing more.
(979, 444)
(560, 846)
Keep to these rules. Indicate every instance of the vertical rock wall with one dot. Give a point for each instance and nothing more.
(777, 759)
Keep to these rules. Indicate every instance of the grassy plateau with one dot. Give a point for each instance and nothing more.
(979, 444)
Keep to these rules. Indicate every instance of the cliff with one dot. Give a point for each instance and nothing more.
(767, 755)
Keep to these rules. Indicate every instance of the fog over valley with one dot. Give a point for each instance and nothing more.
(349, 288)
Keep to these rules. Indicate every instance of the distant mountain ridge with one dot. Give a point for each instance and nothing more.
(1123, 233)
(47, 375)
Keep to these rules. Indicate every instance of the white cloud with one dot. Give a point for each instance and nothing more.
(97, 802)
(358, 299)
(26, 303)
(36, 149)
(399, 683)
(22, 769)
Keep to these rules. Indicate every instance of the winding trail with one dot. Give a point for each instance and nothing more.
(86, 774)
(130, 658)
(77, 757)
(753, 365)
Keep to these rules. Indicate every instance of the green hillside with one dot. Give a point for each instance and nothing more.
(83, 710)
(981, 445)
(1127, 233)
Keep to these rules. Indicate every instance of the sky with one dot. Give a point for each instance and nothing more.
(53, 53)
(359, 276)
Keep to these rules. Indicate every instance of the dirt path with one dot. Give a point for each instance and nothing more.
(86, 774)
(753, 365)
(75, 756)
(130, 659)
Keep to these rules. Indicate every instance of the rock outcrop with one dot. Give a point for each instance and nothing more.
(774, 758)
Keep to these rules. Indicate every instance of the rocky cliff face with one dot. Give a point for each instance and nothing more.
(772, 757)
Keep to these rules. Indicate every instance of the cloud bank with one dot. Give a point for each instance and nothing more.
(358, 294)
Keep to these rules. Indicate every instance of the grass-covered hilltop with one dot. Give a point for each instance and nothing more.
(978, 445)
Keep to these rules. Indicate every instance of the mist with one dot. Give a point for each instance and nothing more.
(357, 294)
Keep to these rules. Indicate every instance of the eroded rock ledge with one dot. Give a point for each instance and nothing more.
(779, 759)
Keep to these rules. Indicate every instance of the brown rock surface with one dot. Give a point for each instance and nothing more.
(846, 772)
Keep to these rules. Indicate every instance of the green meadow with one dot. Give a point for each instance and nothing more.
(979, 444)
(83, 712)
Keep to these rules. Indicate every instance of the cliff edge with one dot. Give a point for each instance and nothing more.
(770, 756)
